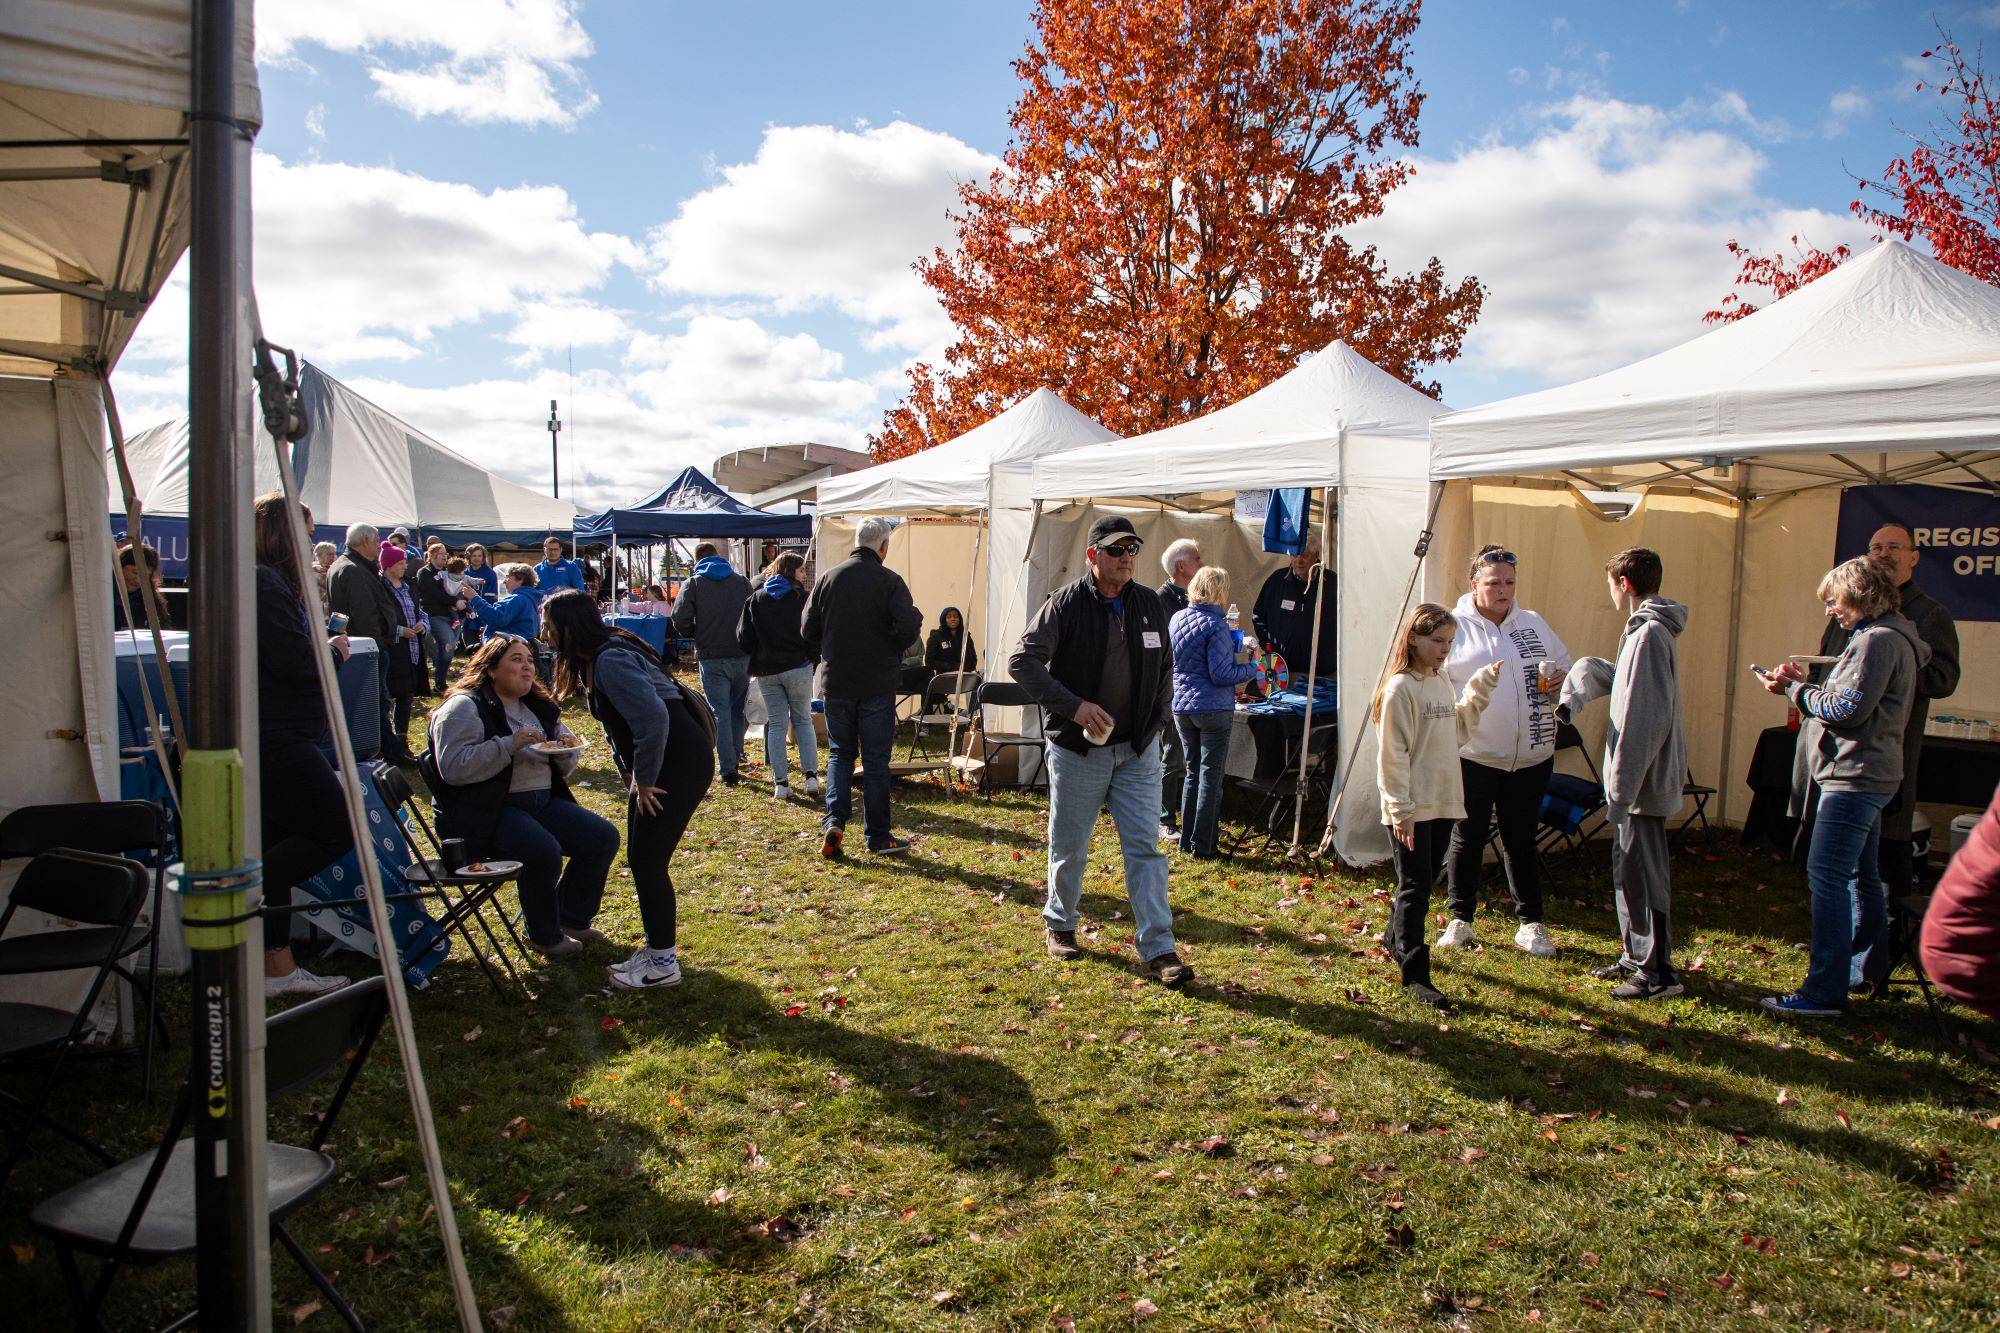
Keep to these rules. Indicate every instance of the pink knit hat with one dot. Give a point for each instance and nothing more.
(390, 556)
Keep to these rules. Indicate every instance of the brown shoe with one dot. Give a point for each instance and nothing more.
(1062, 945)
(1169, 970)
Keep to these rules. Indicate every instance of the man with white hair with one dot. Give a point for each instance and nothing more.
(355, 589)
(1182, 561)
(857, 622)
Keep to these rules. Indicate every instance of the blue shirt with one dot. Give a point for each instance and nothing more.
(557, 575)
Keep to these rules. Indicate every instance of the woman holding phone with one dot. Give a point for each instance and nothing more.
(664, 744)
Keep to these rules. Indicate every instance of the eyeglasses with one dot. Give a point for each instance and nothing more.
(1122, 550)
(1498, 558)
(1888, 548)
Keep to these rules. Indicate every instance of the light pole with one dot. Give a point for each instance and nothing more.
(555, 468)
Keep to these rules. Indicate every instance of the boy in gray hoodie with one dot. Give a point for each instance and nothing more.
(1645, 767)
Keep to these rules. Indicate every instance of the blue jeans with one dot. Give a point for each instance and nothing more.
(788, 706)
(868, 726)
(440, 638)
(1080, 785)
(1848, 904)
(726, 682)
(538, 829)
(1205, 740)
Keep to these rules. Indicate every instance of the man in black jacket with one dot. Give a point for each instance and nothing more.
(1097, 657)
(858, 621)
(710, 604)
(355, 589)
(1283, 614)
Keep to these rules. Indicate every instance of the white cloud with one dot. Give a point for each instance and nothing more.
(1600, 236)
(316, 121)
(827, 217)
(1841, 110)
(482, 61)
(1732, 108)
(548, 326)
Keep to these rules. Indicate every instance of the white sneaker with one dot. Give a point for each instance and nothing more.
(1534, 940)
(298, 981)
(645, 969)
(812, 785)
(781, 792)
(1457, 935)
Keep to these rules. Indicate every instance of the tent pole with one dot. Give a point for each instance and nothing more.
(1361, 729)
(1735, 646)
(965, 627)
(1312, 668)
(221, 884)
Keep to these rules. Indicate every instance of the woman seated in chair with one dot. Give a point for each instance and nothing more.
(509, 801)
(516, 612)
(942, 656)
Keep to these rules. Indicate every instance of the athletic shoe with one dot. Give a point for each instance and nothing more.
(565, 945)
(1616, 970)
(812, 785)
(586, 934)
(646, 969)
(1532, 939)
(1796, 1005)
(1168, 969)
(1457, 935)
(298, 981)
(1062, 945)
(1639, 987)
(781, 792)
(829, 846)
(889, 846)
(1168, 833)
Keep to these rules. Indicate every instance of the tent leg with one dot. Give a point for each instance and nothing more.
(1312, 673)
(1729, 662)
(965, 629)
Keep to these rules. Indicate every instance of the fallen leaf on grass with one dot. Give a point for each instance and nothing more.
(578, 1102)
(474, 1034)
(720, 1195)
(1467, 1156)
(943, 1298)
(371, 1258)
(517, 1128)
(1322, 1159)
(501, 1317)
(301, 1313)
(1723, 1282)
(23, 1254)
(1785, 1097)
(794, 1010)
(1589, 1259)
(1401, 1234)
(1144, 1309)
(780, 1229)
(394, 1182)
(752, 1158)
(611, 1022)
(1845, 1123)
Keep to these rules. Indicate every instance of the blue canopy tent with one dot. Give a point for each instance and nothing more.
(688, 506)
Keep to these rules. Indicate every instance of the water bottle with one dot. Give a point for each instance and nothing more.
(1235, 618)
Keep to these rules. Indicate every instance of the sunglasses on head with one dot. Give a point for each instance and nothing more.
(1498, 558)
(1121, 549)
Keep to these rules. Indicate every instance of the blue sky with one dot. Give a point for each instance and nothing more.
(711, 209)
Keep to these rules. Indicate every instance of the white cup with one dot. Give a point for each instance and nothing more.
(1097, 737)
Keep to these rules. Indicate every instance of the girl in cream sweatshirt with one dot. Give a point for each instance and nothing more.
(1416, 769)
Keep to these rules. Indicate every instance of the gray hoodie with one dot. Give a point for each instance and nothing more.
(1853, 729)
(1645, 750)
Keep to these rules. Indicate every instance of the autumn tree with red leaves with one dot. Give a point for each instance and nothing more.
(1946, 192)
(1166, 232)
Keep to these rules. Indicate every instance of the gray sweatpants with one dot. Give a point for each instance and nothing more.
(1640, 884)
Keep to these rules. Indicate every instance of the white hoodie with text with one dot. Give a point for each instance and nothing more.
(1518, 730)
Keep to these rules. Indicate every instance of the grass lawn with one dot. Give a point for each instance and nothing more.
(875, 1101)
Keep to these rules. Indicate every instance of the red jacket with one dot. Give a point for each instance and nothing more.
(1961, 939)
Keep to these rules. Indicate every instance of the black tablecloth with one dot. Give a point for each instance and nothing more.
(1952, 772)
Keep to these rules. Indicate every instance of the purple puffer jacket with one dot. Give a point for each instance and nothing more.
(1206, 672)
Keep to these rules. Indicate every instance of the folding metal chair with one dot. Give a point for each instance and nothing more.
(142, 1211)
(955, 686)
(1274, 795)
(137, 830)
(464, 897)
(1699, 794)
(103, 895)
(1005, 694)
(1572, 814)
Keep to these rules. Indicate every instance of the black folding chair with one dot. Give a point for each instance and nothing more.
(102, 895)
(1573, 813)
(1700, 795)
(137, 830)
(464, 898)
(142, 1212)
(959, 688)
(1274, 795)
(1006, 694)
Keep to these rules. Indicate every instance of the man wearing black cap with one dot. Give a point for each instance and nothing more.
(1097, 658)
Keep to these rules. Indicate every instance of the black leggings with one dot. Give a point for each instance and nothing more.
(1416, 871)
(686, 770)
(304, 823)
(1518, 797)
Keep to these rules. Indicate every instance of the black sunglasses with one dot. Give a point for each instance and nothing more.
(1121, 549)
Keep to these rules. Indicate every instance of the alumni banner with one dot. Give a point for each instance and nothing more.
(1958, 536)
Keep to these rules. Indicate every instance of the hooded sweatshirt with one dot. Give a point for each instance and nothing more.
(1854, 724)
(711, 603)
(768, 628)
(1423, 726)
(1518, 730)
(1645, 749)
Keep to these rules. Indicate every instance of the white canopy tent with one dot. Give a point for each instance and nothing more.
(358, 463)
(1885, 371)
(979, 482)
(1336, 423)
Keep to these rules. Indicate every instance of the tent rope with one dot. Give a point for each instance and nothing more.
(387, 952)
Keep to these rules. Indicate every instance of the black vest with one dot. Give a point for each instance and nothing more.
(472, 810)
(1079, 657)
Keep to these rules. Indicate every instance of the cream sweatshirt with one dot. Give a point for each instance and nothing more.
(1416, 765)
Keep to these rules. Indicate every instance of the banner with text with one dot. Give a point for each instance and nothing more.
(1958, 536)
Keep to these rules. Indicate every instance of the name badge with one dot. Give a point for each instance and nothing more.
(1149, 638)
(1288, 606)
